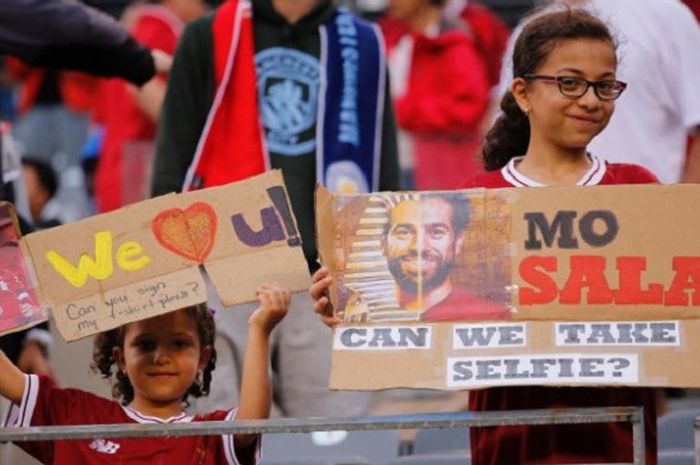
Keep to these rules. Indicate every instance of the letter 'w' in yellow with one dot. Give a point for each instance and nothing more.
(100, 268)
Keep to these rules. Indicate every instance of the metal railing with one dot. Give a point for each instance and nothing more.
(696, 428)
(633, 415)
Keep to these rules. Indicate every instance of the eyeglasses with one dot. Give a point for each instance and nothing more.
(576, 87)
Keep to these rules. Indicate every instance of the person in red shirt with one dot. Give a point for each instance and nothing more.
(157, 363)
(129, 116)
(562, 96)
(490, 35)
(440, 88)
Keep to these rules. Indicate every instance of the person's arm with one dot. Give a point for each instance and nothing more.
(149, 98)
(11, 380)
(162, 40)
(187, 101)
(691, 170)
(256, 387)
(129, 60)
(69, 35)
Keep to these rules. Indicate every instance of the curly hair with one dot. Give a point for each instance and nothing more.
(105, 364)
(510, 134)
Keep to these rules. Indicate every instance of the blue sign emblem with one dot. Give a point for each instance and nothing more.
(288, 86)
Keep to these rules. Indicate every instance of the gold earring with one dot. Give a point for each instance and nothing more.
(528, 110)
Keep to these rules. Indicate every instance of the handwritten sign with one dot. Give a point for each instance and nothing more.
(130, 303)
(129, 257)
(144, 259)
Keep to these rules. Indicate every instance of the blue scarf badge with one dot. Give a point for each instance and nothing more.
(350, 119)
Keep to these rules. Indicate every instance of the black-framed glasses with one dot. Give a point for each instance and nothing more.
(576, 87)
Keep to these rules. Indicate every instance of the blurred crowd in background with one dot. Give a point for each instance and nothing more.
(88, 141)
(75, 144)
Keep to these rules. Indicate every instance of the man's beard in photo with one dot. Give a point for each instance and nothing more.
(409, 283)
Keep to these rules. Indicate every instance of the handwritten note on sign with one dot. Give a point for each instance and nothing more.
(129, 256)
(144, 259)
(130, 303)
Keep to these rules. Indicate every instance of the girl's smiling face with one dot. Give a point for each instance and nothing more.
(162, 357)
(563, 122)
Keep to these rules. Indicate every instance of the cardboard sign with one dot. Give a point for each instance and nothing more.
(550, 286)
(144, 259)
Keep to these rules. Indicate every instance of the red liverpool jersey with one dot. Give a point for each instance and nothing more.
(43, 404)
(600, 173)
(595, 443)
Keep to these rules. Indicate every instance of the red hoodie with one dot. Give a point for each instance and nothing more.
(446, 97)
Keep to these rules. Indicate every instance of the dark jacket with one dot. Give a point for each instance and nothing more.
(69, 35)
(190, 94)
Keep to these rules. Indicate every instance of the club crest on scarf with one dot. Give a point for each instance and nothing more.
(303, 104)
(345, 177)
(288, 83)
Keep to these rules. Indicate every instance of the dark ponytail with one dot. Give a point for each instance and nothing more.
(508, 137)
(510, 134)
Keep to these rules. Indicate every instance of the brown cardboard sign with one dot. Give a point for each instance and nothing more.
(478, 288)
(476, 355)
(144, 259)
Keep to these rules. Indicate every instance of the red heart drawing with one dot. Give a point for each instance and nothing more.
(189, 233)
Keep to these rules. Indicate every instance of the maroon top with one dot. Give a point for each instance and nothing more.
(594, 443)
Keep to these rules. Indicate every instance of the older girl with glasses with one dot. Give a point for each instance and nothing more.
(562, 96)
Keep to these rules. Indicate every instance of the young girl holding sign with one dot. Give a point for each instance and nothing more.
(158, 362)
(561, 98)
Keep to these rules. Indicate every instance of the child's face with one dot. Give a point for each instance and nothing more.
(564, 122)
(162, 356)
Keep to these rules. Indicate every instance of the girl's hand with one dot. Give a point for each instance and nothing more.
(274, 304)
(322, 281)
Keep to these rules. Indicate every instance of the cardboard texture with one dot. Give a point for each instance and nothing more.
(144, 259)
(547, 286)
